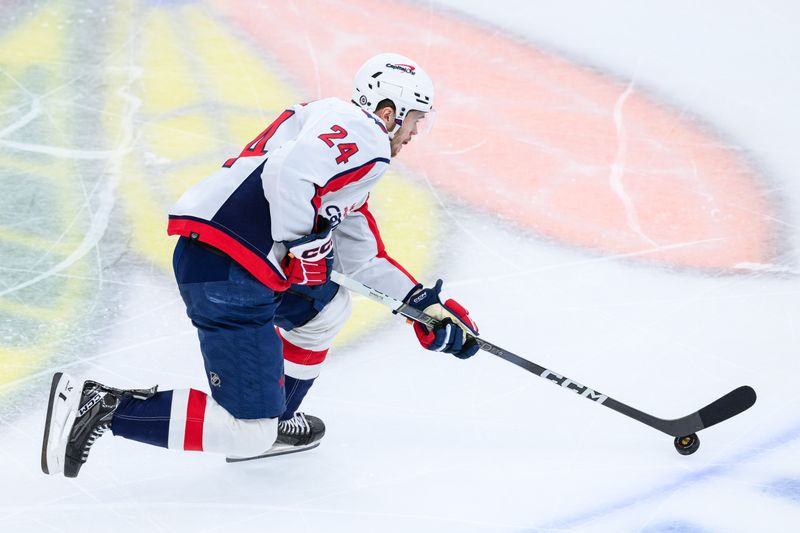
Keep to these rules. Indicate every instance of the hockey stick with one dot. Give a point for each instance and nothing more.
(683, 429)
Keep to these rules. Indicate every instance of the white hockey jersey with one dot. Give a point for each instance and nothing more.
(320, 158)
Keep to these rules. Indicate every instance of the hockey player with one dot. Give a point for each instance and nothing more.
(257, 242)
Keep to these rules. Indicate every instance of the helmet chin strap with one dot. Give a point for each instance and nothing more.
(397, 125)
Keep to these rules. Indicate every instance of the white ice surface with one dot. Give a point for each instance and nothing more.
(421, 442)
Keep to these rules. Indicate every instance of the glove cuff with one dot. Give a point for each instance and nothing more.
(414, 289)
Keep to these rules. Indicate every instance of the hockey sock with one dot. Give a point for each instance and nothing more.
(296, 390)
(188, 419)
(301, 367)
(144, 420)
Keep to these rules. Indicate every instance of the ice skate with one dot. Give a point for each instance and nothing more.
(300, 433)
(76, 417)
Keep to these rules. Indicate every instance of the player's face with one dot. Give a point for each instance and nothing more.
(409, 128)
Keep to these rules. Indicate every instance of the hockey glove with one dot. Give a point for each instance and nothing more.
(309, 259)
(456, 333)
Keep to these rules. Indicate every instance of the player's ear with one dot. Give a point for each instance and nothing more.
(386, 114)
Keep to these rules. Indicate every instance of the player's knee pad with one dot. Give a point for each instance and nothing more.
(318, 333)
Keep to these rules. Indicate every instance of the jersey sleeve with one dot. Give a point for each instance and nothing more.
(361, 255)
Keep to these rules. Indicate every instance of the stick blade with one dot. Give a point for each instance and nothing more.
(728, 406)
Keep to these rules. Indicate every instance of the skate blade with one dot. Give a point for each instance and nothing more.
(274, 452)
(62, 408)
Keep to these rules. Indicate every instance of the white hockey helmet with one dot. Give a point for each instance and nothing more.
(394, 77)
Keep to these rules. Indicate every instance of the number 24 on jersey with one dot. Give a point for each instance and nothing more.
(258, 145)
(345, 149)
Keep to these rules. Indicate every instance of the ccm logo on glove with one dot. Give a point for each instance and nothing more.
(309, 259)
(312, 254)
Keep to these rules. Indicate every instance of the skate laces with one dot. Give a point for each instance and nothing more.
(297, 425)
(97, 432)
(97, 408)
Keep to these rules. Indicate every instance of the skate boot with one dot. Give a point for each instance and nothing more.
(76, 417)
(299, 433)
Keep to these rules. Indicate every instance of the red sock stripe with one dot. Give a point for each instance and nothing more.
(195, 414)
(301, 356)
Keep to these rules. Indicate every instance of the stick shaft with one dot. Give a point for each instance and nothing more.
(725, 407)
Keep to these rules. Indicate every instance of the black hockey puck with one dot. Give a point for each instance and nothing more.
(687, 445)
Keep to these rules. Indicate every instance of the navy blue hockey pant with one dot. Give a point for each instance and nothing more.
(235, 316)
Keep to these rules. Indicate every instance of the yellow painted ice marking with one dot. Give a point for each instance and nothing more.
(13, 164)
(56, 321)
(167, 78)
(208, 65)
(161, 87)
(181, 137)
(32, 53)
(37, 41)
(182, 129)
(60, 309)
(181, 178)
(236, 75)
(18, 362)
(30, 240)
